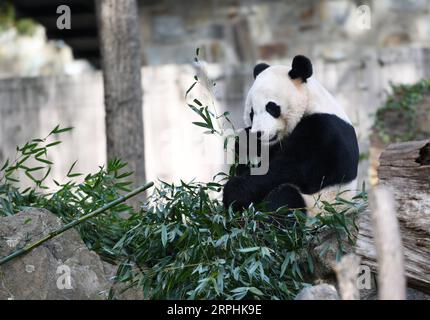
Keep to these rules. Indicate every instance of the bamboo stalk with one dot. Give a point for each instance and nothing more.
(74, 223)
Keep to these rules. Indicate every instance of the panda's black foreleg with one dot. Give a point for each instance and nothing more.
(284, 195)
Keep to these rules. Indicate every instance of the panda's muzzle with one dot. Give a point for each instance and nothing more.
(270, 139)
(274, 138)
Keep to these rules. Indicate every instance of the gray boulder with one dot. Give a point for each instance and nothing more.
(319, 292)
(60, 269)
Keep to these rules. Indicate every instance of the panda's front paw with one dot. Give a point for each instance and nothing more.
(235, 192)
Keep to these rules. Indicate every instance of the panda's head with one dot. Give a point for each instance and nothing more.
(277, 99)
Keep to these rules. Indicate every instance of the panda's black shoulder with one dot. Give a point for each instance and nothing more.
(324, 135)
(322, 125)
(325, 149)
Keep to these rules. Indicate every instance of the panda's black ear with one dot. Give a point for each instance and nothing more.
(259, 68)
(301, 68)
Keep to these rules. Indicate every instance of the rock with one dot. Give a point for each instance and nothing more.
(318, 292)
(122, 290)
(60, 269)
(325, 252)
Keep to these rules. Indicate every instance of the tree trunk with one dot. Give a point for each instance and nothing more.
(405, 169)
(118, 26)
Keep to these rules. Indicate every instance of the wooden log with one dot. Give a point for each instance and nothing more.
(405, 169)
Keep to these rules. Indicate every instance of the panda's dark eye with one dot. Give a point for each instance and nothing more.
(273, 109)
(251, 115)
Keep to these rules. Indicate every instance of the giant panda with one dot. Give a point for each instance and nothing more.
(313, 149)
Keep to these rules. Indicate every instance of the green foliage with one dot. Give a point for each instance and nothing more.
(401, 105)
(9, 20)
(70, 199)
(209, 118)
(187, 246)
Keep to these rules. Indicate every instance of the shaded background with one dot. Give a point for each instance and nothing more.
(50, 77)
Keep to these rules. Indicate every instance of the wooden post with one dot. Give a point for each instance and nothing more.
(118, 26)
(391, 271)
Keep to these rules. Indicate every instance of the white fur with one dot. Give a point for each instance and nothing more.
(314, 202)
(321, 101)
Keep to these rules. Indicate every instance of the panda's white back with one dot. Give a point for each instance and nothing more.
(322, 101)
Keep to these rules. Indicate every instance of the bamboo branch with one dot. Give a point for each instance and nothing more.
(74, 223)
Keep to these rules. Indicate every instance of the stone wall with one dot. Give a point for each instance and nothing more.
(242, 31)
(32, 107)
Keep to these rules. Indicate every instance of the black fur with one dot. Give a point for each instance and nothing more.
(284, 195)
(321, 151)
(259, 68)
(301, 68)
(273, 109)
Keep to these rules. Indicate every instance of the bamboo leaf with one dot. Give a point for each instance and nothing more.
(189, 89)
(251, 249)
(44, 160)
(5, 165)
(200, 124)
(53, 144)
(164, 235)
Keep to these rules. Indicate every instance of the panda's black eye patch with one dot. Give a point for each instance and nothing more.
(273, 109)
(251, 115)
